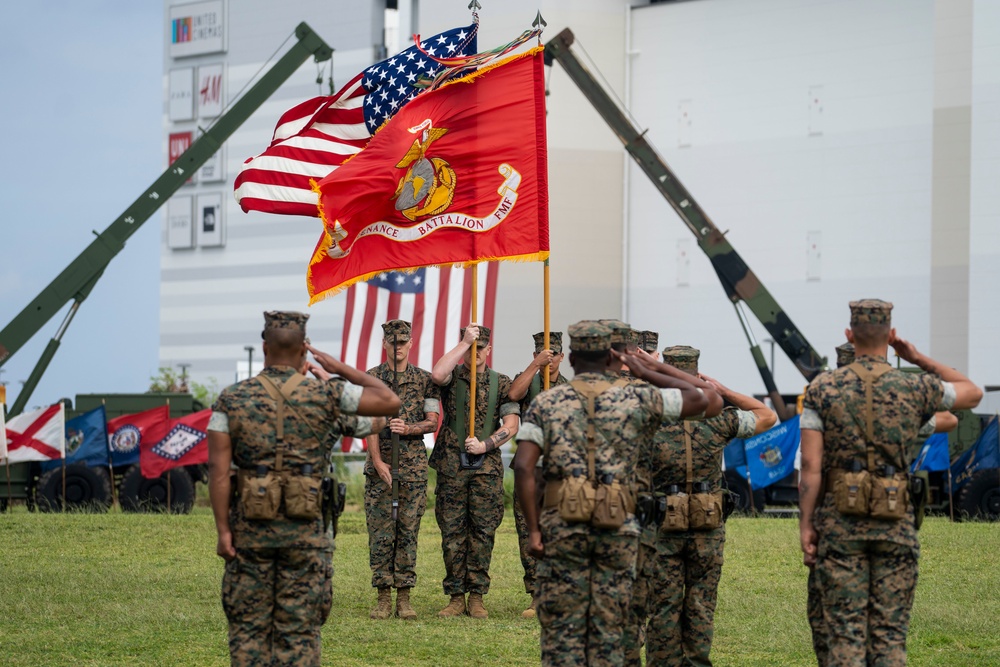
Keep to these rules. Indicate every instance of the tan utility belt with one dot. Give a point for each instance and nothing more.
(260, 495)
(862, 494)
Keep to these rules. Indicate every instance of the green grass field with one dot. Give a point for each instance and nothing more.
(127, 589)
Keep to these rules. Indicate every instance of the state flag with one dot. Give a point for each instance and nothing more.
(182, 442)
(125, 433)
(86, 440)
(37, 435)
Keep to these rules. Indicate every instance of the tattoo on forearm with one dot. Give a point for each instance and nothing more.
(425, 426)
(495, 440)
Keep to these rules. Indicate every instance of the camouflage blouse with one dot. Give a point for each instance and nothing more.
(419, 396)
(445, 457)
(248, 413)
(834, 404)
(626, 419)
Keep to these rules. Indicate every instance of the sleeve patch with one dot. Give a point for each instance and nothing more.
(531, 433)
(351, 398)
(432, 405)
(673, 403)
(811, 420)
(219, 422)
(746, 424)
(948, 400)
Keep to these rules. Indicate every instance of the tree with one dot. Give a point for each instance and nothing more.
(168, 381)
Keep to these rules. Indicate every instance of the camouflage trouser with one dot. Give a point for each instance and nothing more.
(276, 601)
(814, 611)
(867, 589)
(634, 635)
(468, 508)
(682, 579)
(392, 548)
(584, 584)
(527, 562)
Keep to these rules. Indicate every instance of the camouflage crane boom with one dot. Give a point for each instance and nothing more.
(739, 282)
(76, 281)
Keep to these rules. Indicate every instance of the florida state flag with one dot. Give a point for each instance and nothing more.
(457, 176)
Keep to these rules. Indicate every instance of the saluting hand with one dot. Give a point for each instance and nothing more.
(325, 360)
(318, 371)
(905, 350)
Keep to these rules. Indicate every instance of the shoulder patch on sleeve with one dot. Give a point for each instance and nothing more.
(219, 421)
(810, 420)
(746, 424)
(351, 398)
(948, 400)
(673, 403)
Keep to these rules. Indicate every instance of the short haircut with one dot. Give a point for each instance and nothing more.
(283, 340)
(590, 356)
(871, 335)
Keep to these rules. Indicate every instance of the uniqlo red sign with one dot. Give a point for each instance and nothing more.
(179, 142)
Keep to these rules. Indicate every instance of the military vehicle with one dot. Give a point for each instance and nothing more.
(746, 291)
(89, 488)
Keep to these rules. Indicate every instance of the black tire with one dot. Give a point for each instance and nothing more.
(3, 505)
(980, 497)
(139, 494)
(87, 489)
(738, 486)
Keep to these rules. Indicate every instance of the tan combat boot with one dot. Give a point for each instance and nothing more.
(455, 608)
(476, 608)
(403, 608)
(383, 609)
(530, 611)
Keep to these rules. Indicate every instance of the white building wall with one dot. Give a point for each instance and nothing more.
(806, 118)
(984, 260)
(211, 298)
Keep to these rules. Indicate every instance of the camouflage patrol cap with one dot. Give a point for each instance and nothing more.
(400, 329)
(845, 355)
(555, 341)
(284, 319)
(649, 340)
(871, 311)
(484, 336)
(620, 332)
(682, 357)
(589, 336)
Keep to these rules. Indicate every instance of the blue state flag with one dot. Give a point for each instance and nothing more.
(983, 455)
(734, 457)
(771, 455)
(86, 440)
(934, 455)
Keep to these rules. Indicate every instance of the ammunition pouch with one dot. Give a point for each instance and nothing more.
(575, 498)
(675, 519)
(890, 496)
(260, 495)
(851, 491)
(612, 502)
(705, 511)
(302, 497)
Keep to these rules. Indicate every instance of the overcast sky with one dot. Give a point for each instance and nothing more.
(82, 115)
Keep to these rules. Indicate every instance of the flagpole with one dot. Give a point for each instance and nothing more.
(545, 307)
(111, 463)
(472, 375)
(167, 473)
(7, 466)
(64, 479)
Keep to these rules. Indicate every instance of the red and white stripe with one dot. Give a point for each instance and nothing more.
(437, 315)
(310, 141)
(39, 435)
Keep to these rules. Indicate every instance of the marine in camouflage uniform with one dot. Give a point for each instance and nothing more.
(525, 387)
(814, 599)
(392, 546)
(469, 502)
(678, 572)
(866, 567)
(276, 589)
(650, 341)
(585, 577)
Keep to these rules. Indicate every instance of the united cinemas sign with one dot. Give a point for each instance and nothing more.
(197, 28)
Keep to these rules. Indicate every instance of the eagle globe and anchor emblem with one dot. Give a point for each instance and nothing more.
(428, 186)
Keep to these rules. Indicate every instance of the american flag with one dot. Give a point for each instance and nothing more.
(315, 137)
(437, 301)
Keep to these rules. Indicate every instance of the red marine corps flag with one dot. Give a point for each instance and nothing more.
(457, 176)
